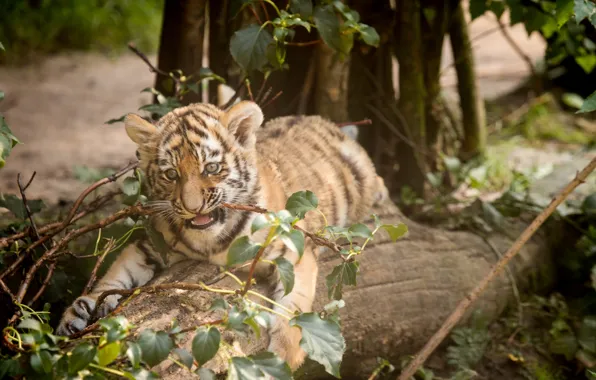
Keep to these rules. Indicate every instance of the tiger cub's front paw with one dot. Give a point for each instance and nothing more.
(77, 316)
(284, 340)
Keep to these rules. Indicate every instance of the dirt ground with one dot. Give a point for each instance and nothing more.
(58, 107)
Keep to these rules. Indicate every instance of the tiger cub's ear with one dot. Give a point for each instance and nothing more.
(138, 129)
(242, 120)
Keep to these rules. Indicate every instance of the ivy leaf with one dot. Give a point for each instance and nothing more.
(242, 250)
(586, 336)
(7, 140)
(300, 203)
(322, 340)
(258, 223)
(583, 9)
(299, 22)
(30, 324)
(205, 344)
(219, 304)
(134, 353)
(243, 369)
(1, 95)
(329, 29)
(116, 120)
(205, 374)
(82, 355)
(301, 7)
(369, 35)
(294, 240)
(589, 104)
(2, 47)
(587, 62)
(360, 230)
(343, 274)
(477, 8)
(248, 47)
(41, 361)
(273, 365)
(130, 186)
(108, 353)
(155, 346)
(9, 368)
(184, 356)
(564, 11)
(286, 274)
(395, 231)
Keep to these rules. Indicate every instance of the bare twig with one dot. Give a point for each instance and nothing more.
(52, 253)
(516, 47)
(308, 43)
(236, 93)
(272, 99)
(22, 190)
(465, 303)
(45, 283)
(360, 122)
(152, 68)
(307, 87)
(6, 290)
(251, 208)
(251, 271)
(107, 249)
(249, 89)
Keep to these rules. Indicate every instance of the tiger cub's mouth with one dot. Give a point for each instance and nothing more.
(204, 221)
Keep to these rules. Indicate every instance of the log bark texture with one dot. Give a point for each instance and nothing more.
(405, 290)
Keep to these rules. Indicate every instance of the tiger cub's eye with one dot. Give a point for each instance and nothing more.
(212, 168)
(171, 174)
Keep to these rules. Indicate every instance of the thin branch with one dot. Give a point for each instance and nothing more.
(45, 283)
(249, 89)
(22, 190)
(465, 303)
(6, 290)
(141, 55)
(308, 85)
(50, 254)
(272, 99)
(236, 93)
(107, 249)
(516, 47)
(308, 43)
(361, 122)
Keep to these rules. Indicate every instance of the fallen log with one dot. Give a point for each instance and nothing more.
(405, 290)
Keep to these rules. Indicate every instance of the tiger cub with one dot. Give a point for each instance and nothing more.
(200, 156)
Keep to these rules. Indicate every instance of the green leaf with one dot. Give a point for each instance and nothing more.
(360, 230)
(396, 231)
(294, 240)
(286, 274)
(565, 345)
(30, 324)
(117, 120)
(259, 222)
(248, 47)
(572, 100)
(242, 250)
(7, 141)
(587, 62)
(453, 164)
(273, 365)
(134, 353)
(2, 47)
(301, 7)
(329, 29)
(184, 356)
(586, 335)
(155, 346)
(206, 374)
(564, 12)
(1, 95)
(477, 8)
(243, 369)
(497, 7)
(369, 35)
(589, 104)
(322, 340)
(299, 22)
(205, 344)
(9, 368)
(143, 374)
(41, 361)
(108, 353)
(82, 355)
(583, 9)
(343, 274)
(300, 203)
(219, 304)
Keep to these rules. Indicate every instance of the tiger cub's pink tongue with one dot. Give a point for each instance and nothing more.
(201, 219)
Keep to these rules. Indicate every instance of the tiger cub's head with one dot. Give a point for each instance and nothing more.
(196, 158)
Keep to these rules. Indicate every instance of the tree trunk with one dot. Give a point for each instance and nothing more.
(405, 290)
(434, 22)
(408, 48)
(331, 90)
(181, 43)
(472, 105)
